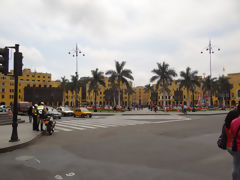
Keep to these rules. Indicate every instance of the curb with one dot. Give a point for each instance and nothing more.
(162, 114)
(18, 146)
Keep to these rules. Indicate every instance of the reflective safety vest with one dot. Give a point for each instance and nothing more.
(35, 111)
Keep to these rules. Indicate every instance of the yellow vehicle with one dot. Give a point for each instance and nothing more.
(82, 112)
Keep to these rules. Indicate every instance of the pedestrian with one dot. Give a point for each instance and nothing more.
(232, 123)
(35, 118)
(30, 114)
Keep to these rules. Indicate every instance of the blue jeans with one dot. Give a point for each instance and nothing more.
(236, 164)
(30, 119)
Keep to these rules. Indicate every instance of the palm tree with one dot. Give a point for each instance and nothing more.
(83, 84)
(96, 80)
(154, 94)
(129, 91)
(120, 76)
(64, 85)
(223, 87)
(164, 76)
(74, 86)
(189, 81)
(209, 86)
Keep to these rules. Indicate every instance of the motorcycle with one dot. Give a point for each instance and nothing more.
(50, 124)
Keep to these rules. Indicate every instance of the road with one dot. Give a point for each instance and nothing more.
(122, 148)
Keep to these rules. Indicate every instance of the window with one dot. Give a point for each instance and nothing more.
(3, 90)
(2, 96)
(238, 93)
(232, 94)
(38, 76)
(3, 84)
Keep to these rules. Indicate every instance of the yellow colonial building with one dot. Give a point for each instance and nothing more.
(32, 80)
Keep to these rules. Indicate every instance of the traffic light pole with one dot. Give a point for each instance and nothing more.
(14, 136)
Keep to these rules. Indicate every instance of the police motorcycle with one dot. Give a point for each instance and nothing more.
(50, 124)
(46, 119)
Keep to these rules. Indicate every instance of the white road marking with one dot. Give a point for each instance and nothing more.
(70, 174)
(62, 129)
(58, 177)
(68, 126)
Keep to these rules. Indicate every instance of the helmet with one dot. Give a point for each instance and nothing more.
(35, 105)
(42, 103)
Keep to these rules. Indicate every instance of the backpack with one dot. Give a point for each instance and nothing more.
(222, 139)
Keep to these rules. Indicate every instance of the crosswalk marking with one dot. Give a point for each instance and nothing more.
(65, 123)
(62, 129)
(68, 126)
(80, 124)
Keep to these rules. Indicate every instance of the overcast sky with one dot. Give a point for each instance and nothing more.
(140, 32)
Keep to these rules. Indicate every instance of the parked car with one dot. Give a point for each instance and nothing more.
(82, 112)
(65, 111)
(54, 113)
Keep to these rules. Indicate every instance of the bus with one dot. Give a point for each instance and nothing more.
(23, 107)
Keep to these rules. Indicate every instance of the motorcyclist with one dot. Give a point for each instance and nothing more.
(42, 111)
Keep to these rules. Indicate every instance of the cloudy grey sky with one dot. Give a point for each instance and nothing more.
(140, 32)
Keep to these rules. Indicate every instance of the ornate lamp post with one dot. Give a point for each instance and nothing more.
(75, 53)
(211, 51)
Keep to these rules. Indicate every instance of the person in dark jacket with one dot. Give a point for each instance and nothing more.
(35, 118)
(30, 114)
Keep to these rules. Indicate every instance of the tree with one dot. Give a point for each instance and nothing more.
(64, 85)
(154, 94)
(129, 91)
(209, 86)
(121, 76)
(164, 76)
(189, 81)
(94, 82)
(74, 86)
(223, 88)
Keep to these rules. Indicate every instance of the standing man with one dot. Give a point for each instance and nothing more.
(30, 114)
(35, 118)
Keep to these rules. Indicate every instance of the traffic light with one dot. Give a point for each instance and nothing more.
(4, 60)
(18, 63)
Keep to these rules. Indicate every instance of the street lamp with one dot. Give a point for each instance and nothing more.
(211, 51)
(75, 53)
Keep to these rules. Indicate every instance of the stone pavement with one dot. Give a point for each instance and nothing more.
(27, 135)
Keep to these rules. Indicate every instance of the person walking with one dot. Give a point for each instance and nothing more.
(35, 118)
(233, 118)
(30, 114)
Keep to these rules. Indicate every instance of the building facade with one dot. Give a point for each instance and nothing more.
(42, 82)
